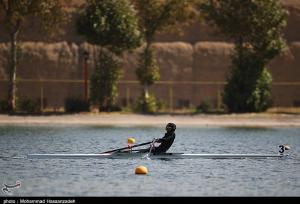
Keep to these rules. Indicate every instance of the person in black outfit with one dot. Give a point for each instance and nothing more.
(165, 142)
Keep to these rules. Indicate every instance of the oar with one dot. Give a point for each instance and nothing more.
(151, 147)
(114, 150)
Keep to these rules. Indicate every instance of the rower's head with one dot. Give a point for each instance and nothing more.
(171, 127)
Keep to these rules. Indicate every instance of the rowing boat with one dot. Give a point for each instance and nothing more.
(128, 155)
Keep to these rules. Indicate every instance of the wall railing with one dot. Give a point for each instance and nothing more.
(219, 84)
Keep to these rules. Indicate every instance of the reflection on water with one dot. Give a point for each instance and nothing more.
(186, 177)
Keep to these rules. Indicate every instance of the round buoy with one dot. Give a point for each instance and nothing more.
(131, 140)
(141, 170)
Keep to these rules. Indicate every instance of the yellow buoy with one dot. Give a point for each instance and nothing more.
(141, 170)
(131, 140)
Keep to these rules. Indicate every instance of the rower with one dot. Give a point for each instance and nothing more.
(165, 142)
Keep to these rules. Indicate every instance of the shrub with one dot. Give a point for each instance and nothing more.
(148, 105)
(76, 105)
(203, 107)
(113, 108)
(261, 97)
(4, 106)
(244, 94)
(161, 105)
(104, 89)
(28, 105)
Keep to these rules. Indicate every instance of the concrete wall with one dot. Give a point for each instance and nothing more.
(189, 73)
(194, 66)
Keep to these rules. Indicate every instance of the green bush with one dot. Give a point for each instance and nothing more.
(258, 38)
(76, 105)
(27, 105)
(161, 105)
(113, 108)
(4, 106)
(103, 87)
(261, 97)
(203, 107)
(245, 94)
(147, 105)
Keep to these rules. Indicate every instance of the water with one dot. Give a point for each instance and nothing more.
(183, 177)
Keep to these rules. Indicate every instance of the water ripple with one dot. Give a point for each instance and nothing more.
(189, 177)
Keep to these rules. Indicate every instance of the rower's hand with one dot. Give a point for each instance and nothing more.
(155, 139)
(158, 140)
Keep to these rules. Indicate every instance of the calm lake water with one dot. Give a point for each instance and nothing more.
(182, 177)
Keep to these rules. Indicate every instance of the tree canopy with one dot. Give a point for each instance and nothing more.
(256, 24)
(156, 16)
(255, 27)
(111, 24)
(14, 14)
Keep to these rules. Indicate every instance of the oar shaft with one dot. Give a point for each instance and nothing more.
(114, 150)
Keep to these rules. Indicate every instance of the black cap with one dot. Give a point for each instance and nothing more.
(172, 125)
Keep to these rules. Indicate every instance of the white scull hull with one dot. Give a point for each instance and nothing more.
(157, 156)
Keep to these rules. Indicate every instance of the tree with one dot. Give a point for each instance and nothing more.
(156, 16)
(255, 27)
(15, 13)
(103, 82)
(112, 25)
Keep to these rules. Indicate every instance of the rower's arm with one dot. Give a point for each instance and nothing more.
(165, 138)
(160, 140)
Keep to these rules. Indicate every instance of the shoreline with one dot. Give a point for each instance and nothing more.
(129, 120)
